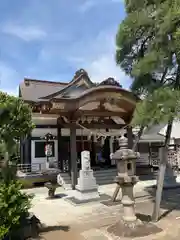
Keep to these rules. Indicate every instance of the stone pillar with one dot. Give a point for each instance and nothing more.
(170, 176)
(86, 189)
(73, 155)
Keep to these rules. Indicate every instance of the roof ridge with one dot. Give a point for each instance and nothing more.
(45, 81)
(78, 76)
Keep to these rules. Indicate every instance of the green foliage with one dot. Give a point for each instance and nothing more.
(13, 151)
(160, 106)
(148, 44)
(15, 120)
(7, 173)
(14, 205)
(148, 50)
(18, 121)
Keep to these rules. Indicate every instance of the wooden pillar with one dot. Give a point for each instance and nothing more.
(93, 152)
(60, 159)
(27, 150)
(130, 137)
(111, 144)
(73, 154)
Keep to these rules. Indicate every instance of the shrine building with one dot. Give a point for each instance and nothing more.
(79, 115)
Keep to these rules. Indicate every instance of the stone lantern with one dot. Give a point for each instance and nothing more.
(126, 179)
(128, 225)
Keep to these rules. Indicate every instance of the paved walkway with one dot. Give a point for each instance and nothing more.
(89, 221)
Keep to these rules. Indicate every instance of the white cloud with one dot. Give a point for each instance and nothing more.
(8, 76)
(104, 67)
(117, 1)
(99, 60)
(26, 33)
(87, 5)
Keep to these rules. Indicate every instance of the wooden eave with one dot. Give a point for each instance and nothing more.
(71, 107)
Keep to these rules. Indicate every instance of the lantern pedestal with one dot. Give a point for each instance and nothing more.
(127, 184)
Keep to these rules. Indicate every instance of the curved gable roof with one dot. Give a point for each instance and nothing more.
(81, 77)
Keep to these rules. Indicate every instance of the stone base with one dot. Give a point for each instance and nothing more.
(86, 180)
(86, 189)
(132, 229)
(76, 201)
(86, 194)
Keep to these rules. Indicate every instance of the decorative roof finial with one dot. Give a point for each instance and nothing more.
(111, 81)
(79, 72)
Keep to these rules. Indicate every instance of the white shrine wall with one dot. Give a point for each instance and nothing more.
(37, 162)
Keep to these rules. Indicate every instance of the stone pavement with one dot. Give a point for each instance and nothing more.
(61, 209)
(89, 221)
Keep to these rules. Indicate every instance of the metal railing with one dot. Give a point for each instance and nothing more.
(35, 167)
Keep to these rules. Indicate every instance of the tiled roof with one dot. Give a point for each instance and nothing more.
(33, 90)
(41, 90)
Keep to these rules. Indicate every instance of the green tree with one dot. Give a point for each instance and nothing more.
(148, 45)
(15, 121)
(14, 206)
(148, 50)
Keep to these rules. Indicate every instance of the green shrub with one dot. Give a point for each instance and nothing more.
(14, 205)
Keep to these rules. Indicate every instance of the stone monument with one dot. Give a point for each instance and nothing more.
(86, 189)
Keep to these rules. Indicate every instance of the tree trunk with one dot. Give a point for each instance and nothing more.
(162, 169)
(137, 138)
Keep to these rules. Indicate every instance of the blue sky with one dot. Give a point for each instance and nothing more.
(51, 39)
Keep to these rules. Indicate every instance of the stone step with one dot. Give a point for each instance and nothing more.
(103, 177)
(107, 176)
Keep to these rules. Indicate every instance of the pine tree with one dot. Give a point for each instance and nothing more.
(148, 50)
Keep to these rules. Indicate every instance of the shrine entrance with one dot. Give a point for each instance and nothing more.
(99, 152)
(104, 107)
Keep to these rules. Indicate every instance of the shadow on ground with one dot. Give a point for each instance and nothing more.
(35, 229)
(45, 229)
(57, 196)
(170, 199)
